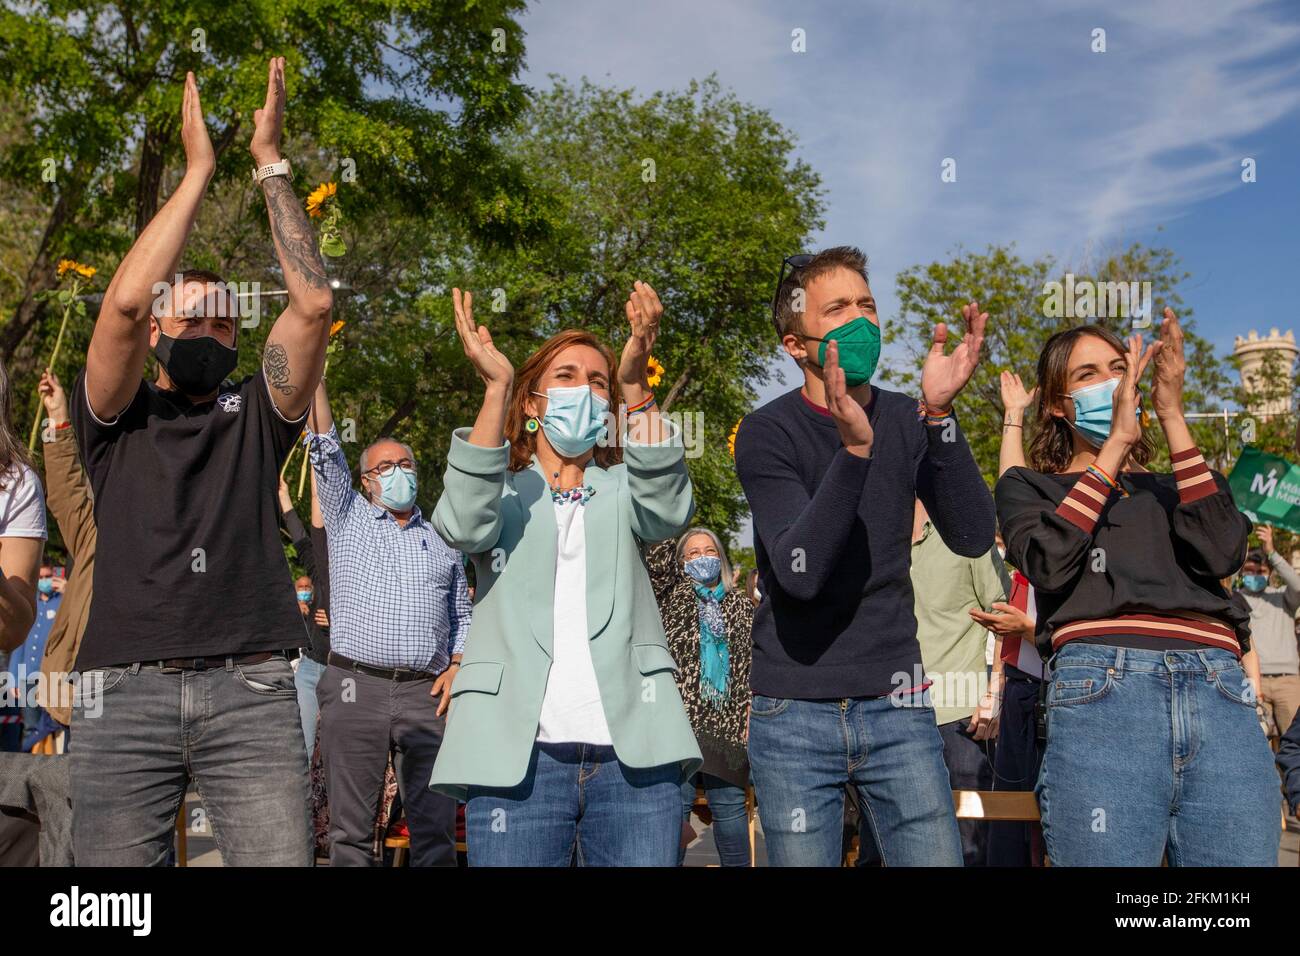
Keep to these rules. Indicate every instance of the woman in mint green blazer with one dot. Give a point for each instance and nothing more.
(566, 733)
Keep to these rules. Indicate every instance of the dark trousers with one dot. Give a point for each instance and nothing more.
(1016, 768)
(361, 719)
(969, 768)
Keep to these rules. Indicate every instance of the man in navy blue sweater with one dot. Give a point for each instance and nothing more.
(831, 471)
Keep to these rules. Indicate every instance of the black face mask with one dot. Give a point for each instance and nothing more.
(196, 366)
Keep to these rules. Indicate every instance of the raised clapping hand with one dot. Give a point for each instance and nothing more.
(944, 375)
(268, 122)
(1170, 367)
(1014, 397)
(1124, 428)
(200, 159)
(494, 368)
(644, 310)
(850, 417)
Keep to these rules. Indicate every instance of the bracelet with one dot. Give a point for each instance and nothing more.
(641, 405)
(1101, 476)
(68, 424)
(1012, 425)
(1106, 480)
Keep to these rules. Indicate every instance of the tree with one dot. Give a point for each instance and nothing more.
(405, 95)
(1020, 303)
(693, 191)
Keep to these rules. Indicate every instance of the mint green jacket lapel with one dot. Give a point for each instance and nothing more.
(603, 527)
(535, 494)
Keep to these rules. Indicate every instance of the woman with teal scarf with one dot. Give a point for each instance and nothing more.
(707, 620)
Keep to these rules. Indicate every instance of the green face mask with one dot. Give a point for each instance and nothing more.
(859, 345)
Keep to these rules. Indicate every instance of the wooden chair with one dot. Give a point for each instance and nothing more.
(401, 846)
(1016, 806)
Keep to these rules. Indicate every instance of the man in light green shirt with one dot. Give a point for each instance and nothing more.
(946, 588)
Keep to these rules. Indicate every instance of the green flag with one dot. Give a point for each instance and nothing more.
(1267, 489)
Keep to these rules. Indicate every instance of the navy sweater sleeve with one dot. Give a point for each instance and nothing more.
(950, 485)
(804, 536)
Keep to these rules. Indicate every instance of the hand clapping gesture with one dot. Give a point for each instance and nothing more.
(644, 310)
(494, 368)
(944, 375)
(850, 417)
(1014, 397)
(1171, 366)
(268, 122)
(199, 155)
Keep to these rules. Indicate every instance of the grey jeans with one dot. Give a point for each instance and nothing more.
(140, 735)
(362, 717)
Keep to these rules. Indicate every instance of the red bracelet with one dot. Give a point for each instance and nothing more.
(67, 424)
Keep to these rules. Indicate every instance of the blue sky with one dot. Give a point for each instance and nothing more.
(1059, 149)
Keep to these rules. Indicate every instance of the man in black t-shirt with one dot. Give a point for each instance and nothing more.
(185, 664)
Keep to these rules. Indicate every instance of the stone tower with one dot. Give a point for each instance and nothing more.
(1251, 350)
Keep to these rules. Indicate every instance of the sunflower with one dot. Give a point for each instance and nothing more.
(319, 196)
(655, 371)
(72, 265)
(731, 439)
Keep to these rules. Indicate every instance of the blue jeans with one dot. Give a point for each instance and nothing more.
(730, 822)
(803, 753)
(577, 804)
(143, 734)
(1155, 752)
(305, 680)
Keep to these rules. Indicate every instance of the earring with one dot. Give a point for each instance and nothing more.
(532, 425)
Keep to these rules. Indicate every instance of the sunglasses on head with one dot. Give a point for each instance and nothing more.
(792, 263)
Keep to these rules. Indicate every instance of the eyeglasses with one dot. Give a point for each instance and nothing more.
(385, 468)
(793, 263)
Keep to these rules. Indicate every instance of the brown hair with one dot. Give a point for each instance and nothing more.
(13, 453)
(1052, 448)
(784, 316)
(523, 443)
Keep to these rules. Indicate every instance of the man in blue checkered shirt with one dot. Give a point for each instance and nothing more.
(399, 614)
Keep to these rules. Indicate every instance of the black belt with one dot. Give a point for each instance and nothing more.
(215, 663)
(400, 674)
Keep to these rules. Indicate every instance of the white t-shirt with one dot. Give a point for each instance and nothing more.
(22, 504)
(571, 708)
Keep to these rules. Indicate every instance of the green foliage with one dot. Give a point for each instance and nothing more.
(1013, 292)
(694, 192)
(406, 95)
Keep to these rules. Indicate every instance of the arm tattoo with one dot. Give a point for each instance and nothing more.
(275, 364)
(293, 234)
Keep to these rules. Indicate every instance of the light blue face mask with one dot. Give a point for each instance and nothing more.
(1093, 407)
(1254, 582)
(704, 569)
(397, 489)
(574, 419)
(304, 597)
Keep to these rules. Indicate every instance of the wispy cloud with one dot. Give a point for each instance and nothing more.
(1057, 147)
